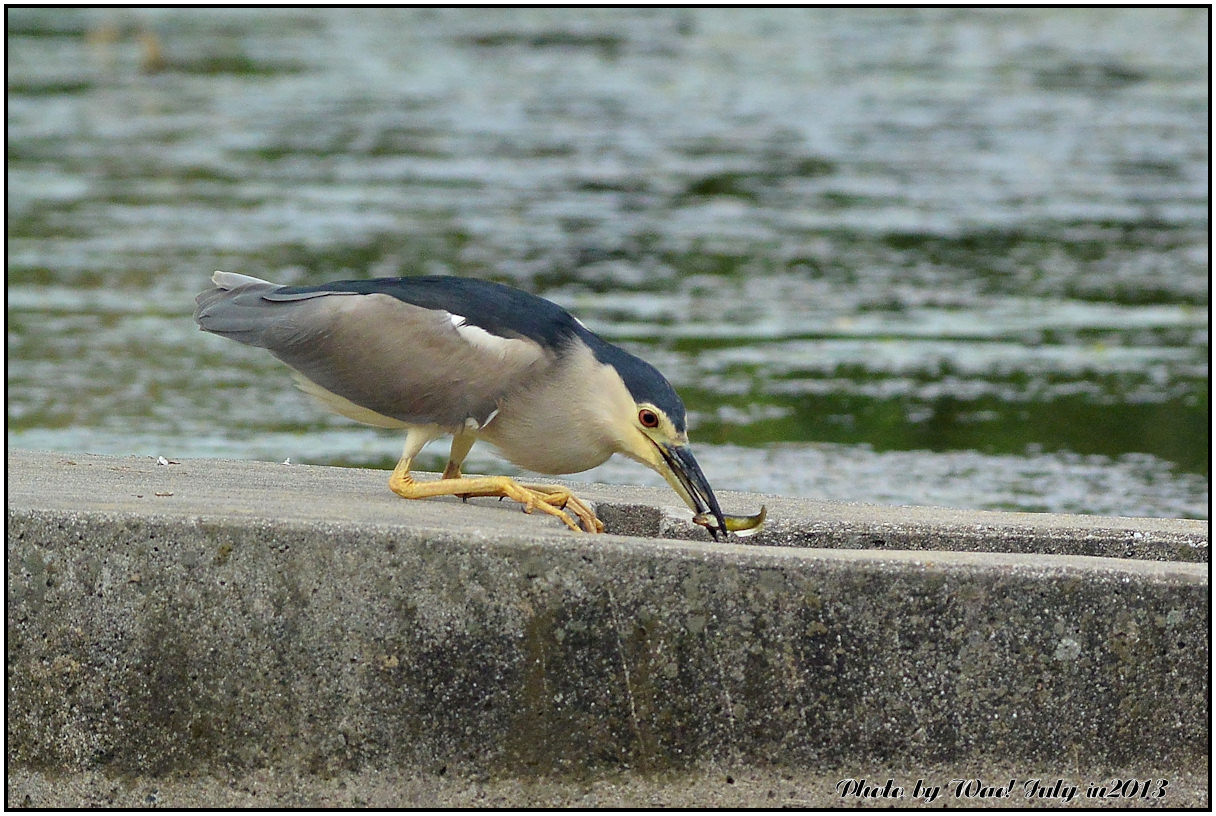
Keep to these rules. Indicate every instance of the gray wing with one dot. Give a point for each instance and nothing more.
(393, 359)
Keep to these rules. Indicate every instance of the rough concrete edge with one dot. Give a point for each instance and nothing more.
(762, 555)
(793, 521)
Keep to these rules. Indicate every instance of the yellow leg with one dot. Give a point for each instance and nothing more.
(548, 500)
(461, 444)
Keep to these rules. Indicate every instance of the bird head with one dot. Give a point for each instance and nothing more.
(650, 427)
(657, 444)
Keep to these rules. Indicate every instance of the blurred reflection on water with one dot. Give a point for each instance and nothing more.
(941, 257)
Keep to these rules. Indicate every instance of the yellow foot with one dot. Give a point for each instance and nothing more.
(561, 497)
(551, 500)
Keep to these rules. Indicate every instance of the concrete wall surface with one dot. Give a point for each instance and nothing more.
(207, 633)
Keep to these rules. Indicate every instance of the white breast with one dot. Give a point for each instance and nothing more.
(565, 423)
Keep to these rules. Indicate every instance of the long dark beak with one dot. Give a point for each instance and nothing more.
(693, 487)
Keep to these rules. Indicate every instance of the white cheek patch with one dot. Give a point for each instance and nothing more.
(479, 337)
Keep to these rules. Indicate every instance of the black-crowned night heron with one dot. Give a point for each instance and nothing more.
(477, 360)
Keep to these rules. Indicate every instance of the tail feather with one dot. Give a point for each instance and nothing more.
(236, 308)
(231, 280)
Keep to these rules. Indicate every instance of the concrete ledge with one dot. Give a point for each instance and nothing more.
(217, 620)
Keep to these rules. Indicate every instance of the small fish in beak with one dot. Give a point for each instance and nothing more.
(694, 488)
(741, 526)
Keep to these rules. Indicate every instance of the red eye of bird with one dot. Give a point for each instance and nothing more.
(648, 418)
